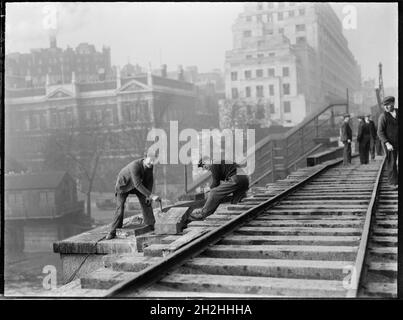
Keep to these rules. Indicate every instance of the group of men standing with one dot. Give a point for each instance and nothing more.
(367, 135)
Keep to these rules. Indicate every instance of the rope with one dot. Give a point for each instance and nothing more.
(88, 254)
(85, 259)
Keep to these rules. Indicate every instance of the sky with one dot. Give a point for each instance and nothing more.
(183, 33)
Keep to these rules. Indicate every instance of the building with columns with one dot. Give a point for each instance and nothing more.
(288, 58)
(120, 111)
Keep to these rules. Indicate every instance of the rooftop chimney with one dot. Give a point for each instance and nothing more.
(53, 43)
(164, 73)
(181, 76)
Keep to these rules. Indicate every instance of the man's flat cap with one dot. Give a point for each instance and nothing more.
(346, 115)
(388, 100)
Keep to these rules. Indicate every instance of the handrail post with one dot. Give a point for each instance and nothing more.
(272, 159)
(316, 127)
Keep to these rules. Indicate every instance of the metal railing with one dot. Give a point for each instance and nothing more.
(280, 152)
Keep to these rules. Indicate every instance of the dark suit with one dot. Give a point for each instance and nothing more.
(372, 130)
(388, 131)
(225, 181)
(364, 140)
(345, 135)
(133, 179)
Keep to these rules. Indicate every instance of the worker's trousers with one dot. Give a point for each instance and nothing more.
(391, 166)
(147, 210)
(237, 185)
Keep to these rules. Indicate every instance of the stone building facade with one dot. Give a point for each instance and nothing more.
(55, 65)
(119, 113)
(287, 60)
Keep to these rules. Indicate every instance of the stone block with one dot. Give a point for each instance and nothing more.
(172, 221)
(132, 230)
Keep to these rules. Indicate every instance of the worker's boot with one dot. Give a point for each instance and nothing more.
(111, 235)
(196, 215)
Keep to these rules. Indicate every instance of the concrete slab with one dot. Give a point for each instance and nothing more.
(335, 253)
(291, 240)
(172, 221)
(255, 285)
(282, 268)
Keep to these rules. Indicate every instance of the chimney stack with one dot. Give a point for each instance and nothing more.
(53, 43)
(164, 73)
(181, 76)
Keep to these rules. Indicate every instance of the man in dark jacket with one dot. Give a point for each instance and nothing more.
(364, 140)
(227, 179)
(388, 133)
(135, 178)
(346, 135)
(373, 136)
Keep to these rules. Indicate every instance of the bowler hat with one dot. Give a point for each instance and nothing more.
(388, 100)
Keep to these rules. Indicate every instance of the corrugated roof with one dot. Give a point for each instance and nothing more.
(39, 180)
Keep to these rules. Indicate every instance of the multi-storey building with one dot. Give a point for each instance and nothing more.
(120, 111)
(289, 58)
(54, 65)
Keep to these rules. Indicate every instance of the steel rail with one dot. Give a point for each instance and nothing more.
(153, 273)
(362, 249)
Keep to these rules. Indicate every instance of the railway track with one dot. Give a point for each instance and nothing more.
(304, 236)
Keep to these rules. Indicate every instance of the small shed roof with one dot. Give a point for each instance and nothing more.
(38, 180)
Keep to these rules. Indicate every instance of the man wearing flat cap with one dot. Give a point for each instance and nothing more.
(227, 178)
(388, 133)
(364, 140)
(373, 136)
(135, 178)
(346, 135)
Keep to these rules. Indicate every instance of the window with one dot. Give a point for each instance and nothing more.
(15, 199)
(260, 43)
(271, 106)
(301, 40)
(108, 118)
(301, 12)
(259, 73)
(286, 71)
(50, 198)
(271, 72)
(248, 74)
(260, 55)
(280, 16)
(234, 92)
(300, 27)
(287, 107)
(234, 76)
(247, 92)
(259, 91)
(248, 19)
(271, 5)
(269, 18)
(291, 13)
(260, 6)
(286, 88)
(271, 54)
(249, 56)
(270, 31)
(247, 33)
(271, 90)
(259, 18)
(281, 30)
